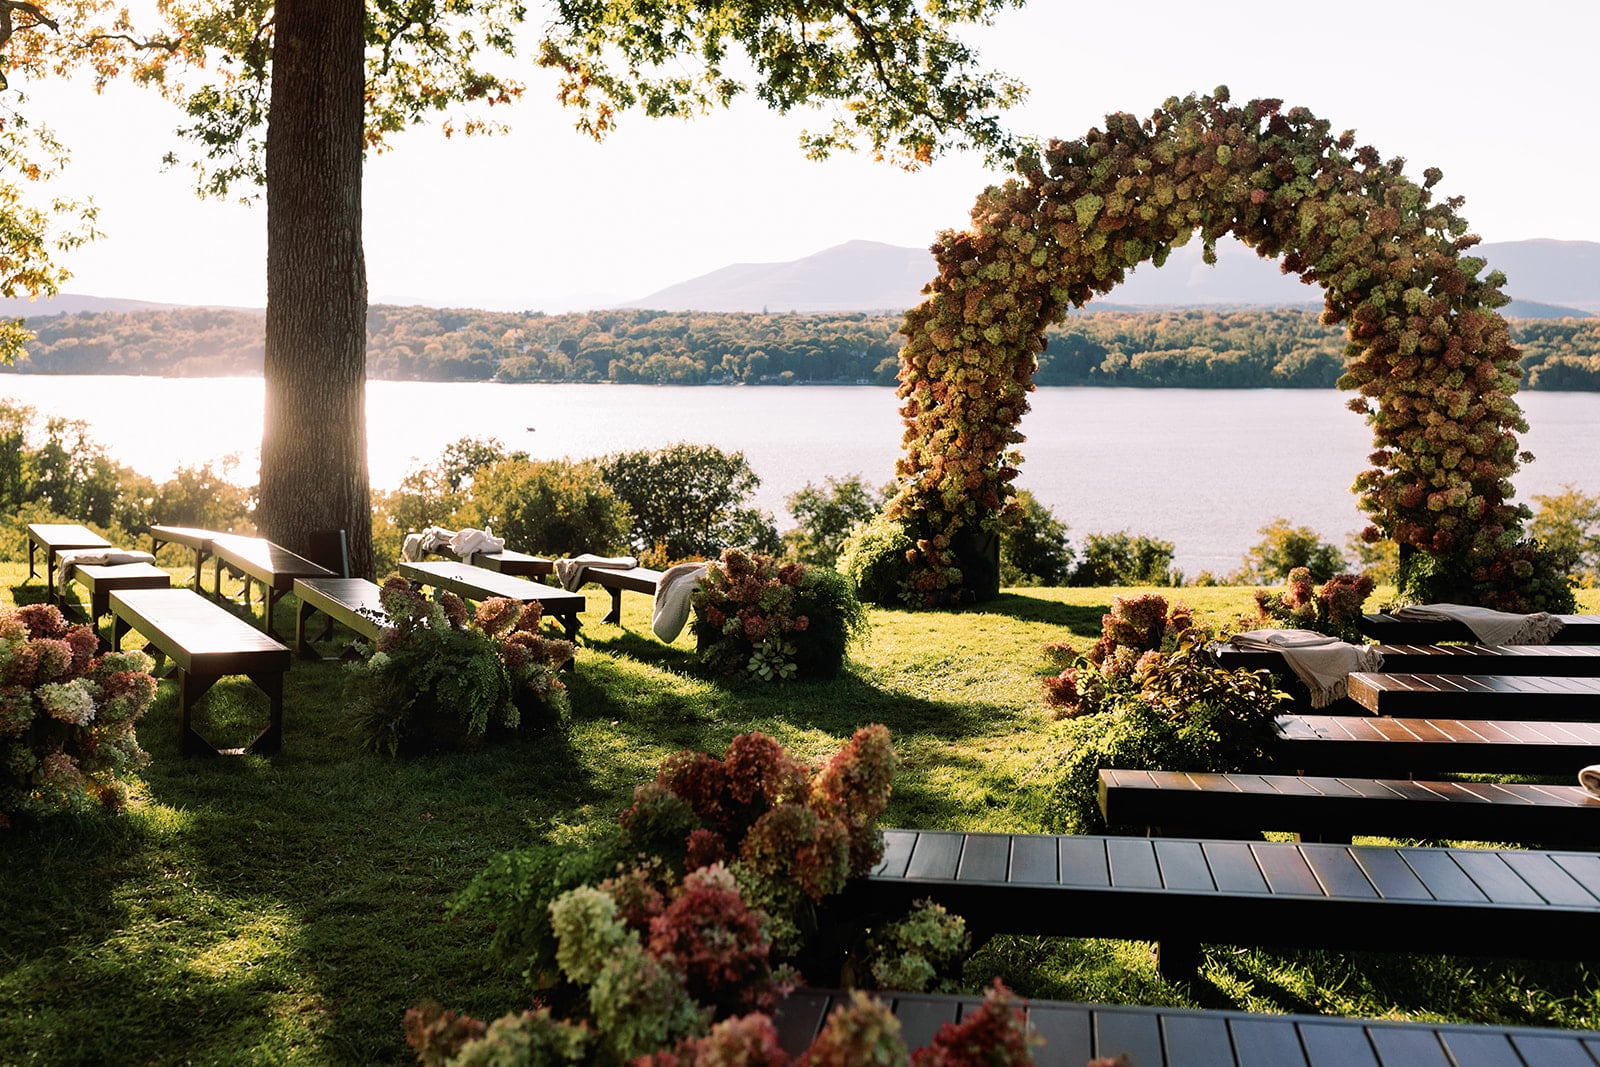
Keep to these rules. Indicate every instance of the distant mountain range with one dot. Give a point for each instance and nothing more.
(1547, 279)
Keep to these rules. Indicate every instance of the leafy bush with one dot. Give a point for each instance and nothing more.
(1285, 548)
(558, 507)
(67, 717)
(1033, 547)
(827, 515)
(1525, 577)
(688, 502)
(873, 558)
(760, 619)
(1123, 559)
(437, 679)
(1568, 525)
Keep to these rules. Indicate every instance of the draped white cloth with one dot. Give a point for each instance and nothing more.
(569, 572)
(1488, 626)
(72, 559)
(1323, 663)
(670, 611)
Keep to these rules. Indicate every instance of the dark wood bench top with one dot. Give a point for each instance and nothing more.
(1384, 746)
(517, 564)
(102, 580)
(1571, 661)
(475, 583)
(205, 642)
(270, 564)
(352, 602)
(1322, 808)
(1186, 1037)
(634, 579)
(188, 536)
(1575, 630)
(1474, 902)
(1478, 696)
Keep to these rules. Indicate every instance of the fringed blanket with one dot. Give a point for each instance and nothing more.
(1323, 663)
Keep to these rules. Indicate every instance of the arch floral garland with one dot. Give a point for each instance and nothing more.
(1431, 359)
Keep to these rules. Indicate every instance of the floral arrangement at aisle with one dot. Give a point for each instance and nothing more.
(766, 620)
(668, 943)
(441, 676)
(1333, 608)
(67, 717)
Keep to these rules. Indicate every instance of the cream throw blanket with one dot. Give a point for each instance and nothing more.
(569, 572)
(1589, 778)
(72, 559)
(470, 542)
(671, 608)
(1488, 626)
(416, 545)
(1323, 663)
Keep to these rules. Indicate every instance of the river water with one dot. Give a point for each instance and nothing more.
(1205, 469)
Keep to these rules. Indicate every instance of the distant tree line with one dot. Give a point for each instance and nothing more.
(1190, 348)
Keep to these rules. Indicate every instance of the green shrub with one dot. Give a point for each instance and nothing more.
(689, 502)
(439, 680)
(1525, 577)
(873, 559)
(557, 507)
(1123, 559)
(826, 516)
(1285, 548)
(760, 619)
(1033, 547)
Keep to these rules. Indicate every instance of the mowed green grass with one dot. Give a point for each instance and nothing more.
(290, 909)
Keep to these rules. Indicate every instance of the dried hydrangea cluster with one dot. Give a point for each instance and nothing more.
(67, 716)
(1430, 357)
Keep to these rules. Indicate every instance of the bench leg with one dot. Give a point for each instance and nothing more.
(302, 612)
(570, 623)
(615, 614)
(1178, 959)
(190, 691)
(270, 740)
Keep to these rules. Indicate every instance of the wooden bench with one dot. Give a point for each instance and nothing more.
(1179, 892)
(1575, 630)
(351, 602)
(1563, 661)
(205, 643)
(54, 537)
(1478, 696)
(1388, 747)
(475, 583)
(635, 580)
(101, 581)
(1187, 1037)
(1332, 809)
(193, 538)
(258, 560)
(516, 564)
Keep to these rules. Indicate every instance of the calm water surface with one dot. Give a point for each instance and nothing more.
(1205, 469)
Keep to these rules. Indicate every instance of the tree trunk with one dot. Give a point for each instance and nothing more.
(314, 440)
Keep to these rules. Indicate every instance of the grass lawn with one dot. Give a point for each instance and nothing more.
(289, 909)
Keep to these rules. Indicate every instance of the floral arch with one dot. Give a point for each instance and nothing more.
(1430, 357)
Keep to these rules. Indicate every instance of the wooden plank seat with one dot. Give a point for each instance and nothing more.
(1563, 661)
(1385, 628)
(351, 602)
(258, 560)
(506, 561)
(1478, 696)
(1179, 892)
(476, 583)
(205, 643)
(1332, 809)
(633, 580)
(194, 538)
(101, 581)
(54, 537)
(1389, 747)
(1189, 1037)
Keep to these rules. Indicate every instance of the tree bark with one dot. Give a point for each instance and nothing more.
(314, 438)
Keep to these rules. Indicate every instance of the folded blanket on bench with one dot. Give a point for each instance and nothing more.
(1323, 663)
(671, 608)
(1589, 778)
(1488, 626)
(92, 557)
(469, 542)
(569, 572)
(431, 539)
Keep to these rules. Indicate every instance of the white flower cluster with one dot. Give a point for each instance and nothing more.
(71, 702)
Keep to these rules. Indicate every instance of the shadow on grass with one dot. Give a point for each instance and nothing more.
(1080, 620)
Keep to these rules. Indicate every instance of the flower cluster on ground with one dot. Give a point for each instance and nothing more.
(443, 676)
(67, 716)
(669, 943)
(1430, 357)
(762, 619)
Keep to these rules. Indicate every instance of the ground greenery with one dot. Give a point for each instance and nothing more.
(291, 908)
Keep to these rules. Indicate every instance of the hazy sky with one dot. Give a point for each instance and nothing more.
(1502, 97)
